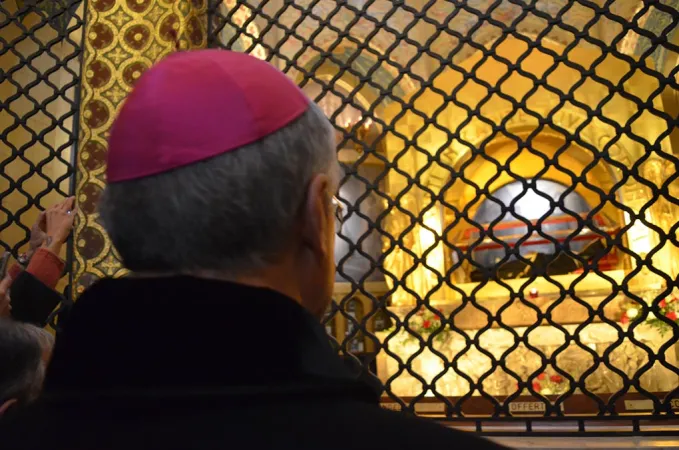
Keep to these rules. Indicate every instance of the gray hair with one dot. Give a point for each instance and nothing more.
(44, 337)
(23, 370)
(232, 213)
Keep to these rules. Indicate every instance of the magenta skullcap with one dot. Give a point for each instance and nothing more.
(195, 105)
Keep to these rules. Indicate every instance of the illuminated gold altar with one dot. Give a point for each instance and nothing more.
(447, 290)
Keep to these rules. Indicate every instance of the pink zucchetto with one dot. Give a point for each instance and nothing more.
(195, 105)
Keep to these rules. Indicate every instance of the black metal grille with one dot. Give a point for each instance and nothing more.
(510, 196)
(40, 58)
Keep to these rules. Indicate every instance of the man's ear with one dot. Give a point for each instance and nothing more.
(316, 215)
(5, 406)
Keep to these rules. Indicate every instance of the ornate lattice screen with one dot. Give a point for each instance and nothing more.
(509, 245)
(40, 51)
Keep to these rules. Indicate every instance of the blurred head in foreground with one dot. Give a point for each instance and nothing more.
(24, 353)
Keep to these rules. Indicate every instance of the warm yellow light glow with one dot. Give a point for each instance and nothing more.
(638, 235)
(431, 366)
(475, 364)
(251, 34)
(427, 237)
(435, 259)
(461, 191)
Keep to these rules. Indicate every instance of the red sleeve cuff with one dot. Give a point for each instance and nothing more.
(46, 267)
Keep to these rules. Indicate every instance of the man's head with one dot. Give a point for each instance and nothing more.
(22, 361)
(240, 188)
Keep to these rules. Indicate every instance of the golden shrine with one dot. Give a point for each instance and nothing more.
(548, 154)
(517, 320)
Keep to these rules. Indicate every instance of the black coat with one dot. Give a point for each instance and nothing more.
(194, 364)
(33, 302)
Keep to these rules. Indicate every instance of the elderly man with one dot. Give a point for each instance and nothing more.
(220, 200)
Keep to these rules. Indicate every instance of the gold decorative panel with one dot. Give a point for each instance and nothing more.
(123, 38)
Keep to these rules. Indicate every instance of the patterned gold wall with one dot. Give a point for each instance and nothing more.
(123, 38)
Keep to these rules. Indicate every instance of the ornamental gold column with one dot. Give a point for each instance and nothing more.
(123, 38)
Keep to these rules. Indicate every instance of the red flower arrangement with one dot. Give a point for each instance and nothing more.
(423, 323)
(669, 308)
(545, 384)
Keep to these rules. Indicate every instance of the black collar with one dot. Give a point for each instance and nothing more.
(187, 336)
